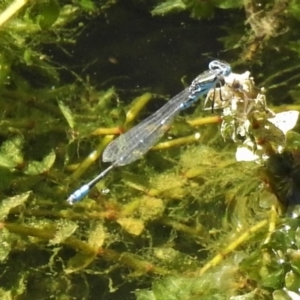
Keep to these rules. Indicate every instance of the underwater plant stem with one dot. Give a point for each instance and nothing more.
(232, 246)
(52, 213)
(133, 262)
(91, 158)
(287, 82)
(106, 131)
(196, 231)
(126, 259)
(19, 124)
(205, 121)
(47, 234)
(32, 101)
(272, 223)
(138, 104)
(11, 10)
(280, 73)
(177, 142)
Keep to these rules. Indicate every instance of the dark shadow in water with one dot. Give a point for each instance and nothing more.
(135, 49)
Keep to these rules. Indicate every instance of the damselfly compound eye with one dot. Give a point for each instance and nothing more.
(220, 66)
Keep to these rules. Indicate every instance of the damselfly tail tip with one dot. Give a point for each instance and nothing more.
(78, 194)
(71, 200)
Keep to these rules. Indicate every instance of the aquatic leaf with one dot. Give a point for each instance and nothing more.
(79, 262)
(7, 204)
(82, 260)
(169, 184)
(175, 288)
(10, 152)
(294, 257)
(151, 208)
(145, 295)
(175, 259)
(282, 295)
(226, 4)
(87, 5)
(65, 228)
(40, 167)
(249, 296)
(5, 242)
(27, 56)
(7, 163)
(131, 225)
(293, 140)
(48, 13)
(273, 279)
(292, 280)
(97, 236)
(297, 237)
(294, 8)
(168, 6)
(200, 9)
(6, 295)
(67, 114)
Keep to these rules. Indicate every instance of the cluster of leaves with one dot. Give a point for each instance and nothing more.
(266, 268)
(108, 233)
(198, 9)
(173, 213)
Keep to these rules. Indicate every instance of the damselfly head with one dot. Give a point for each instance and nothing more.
(221, 67)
